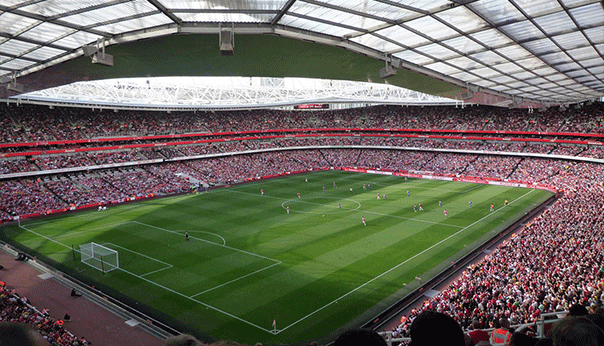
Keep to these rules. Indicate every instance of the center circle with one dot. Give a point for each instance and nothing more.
(321, 205)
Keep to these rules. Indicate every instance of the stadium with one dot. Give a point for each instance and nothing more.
(279, 172)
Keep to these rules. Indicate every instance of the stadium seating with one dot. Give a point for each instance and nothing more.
(553, 263)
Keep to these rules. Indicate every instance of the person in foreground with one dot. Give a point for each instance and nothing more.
(434, 328)
(360, 337)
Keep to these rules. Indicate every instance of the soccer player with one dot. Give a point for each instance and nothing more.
(364, 187)
(262, 192)
(408, 193)
(287, 208)
(369, 186)
(470, 203)
(415, 208)
(306, 180)
(187, 235)
(351, 190)
(384, 196)
(440, 204)
(492, 207)
(506, 202)
(298, 194)
(324, 191)
(420, 207)
(363, 219)
(334, 185)
(339, 206)
(378, 196)
(446, 213)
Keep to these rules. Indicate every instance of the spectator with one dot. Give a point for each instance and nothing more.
(477, 334)
(501, 335)
(360, 337)
(183, 340)
(434, 328)
(577, 331)
(20, 334)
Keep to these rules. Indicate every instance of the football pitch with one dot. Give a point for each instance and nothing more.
(252, 272)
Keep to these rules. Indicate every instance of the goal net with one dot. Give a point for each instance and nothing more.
(99, 257)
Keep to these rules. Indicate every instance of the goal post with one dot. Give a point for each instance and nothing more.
(99, 257)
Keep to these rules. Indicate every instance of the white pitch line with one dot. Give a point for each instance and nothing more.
(166, 288)
(158, 270)
(239, 278)
(72, 233)
(45, 237)
(363, 211)
(209, 242)
(138, 253)
(402, 263)
(197, 301)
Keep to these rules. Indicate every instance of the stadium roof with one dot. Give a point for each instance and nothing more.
(504, 52)
(215, 93)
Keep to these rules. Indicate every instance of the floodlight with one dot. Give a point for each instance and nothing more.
(467, 95)
(90, 50)
(14, 86)
(98, 53)
(226, 39)
(102, 59)
(387, 71)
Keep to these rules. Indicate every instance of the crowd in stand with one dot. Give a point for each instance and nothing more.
(38, 123)
(555, 262)
(15, 308)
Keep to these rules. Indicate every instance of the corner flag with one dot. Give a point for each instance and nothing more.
(275, 326)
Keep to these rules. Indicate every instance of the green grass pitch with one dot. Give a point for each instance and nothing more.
(249, 263)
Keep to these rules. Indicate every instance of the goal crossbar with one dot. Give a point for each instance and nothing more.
(99, 257)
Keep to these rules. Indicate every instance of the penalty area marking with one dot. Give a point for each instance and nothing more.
(277, 262)
(167, 265)
(210, 233)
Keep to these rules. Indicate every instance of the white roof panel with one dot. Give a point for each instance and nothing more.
(308, 24)
(46, 32)
(43, 53)
(464, 44)
(492, 38)
(463, 19)
(409, 55)
(555, 23)
(135, 23)
(78, 39)
(57, 8)
(432, 28)
(15, 47)
(535, 8)
(376, 43)
(403, 35)
(498, 11)
(13, 24)
(494, 43)
(115, 12)
(334, 15)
